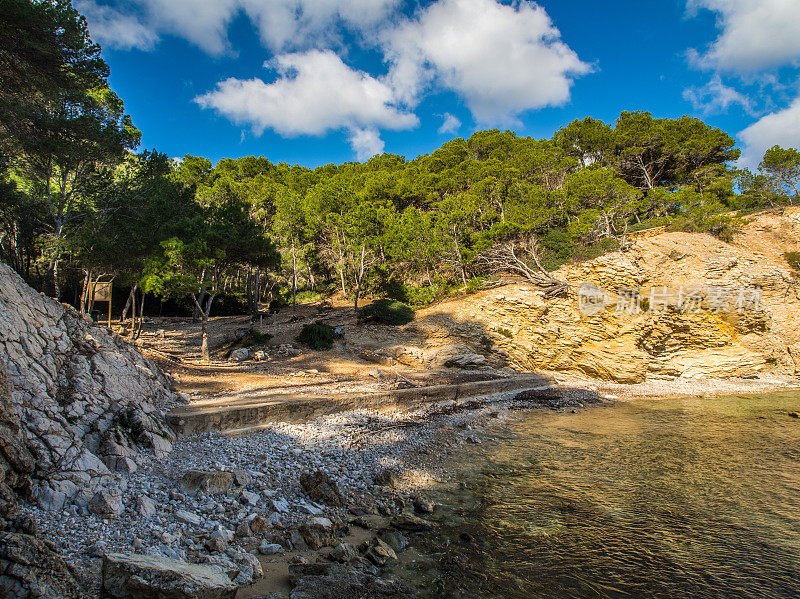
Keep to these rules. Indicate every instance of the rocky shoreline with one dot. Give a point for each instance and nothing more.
(334, 498)
(291, 488)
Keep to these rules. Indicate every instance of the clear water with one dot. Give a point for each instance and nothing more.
(668, 498)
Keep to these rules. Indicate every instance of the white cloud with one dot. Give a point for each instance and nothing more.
(366, 143)
(310, 23)
(282, 24)
(451, 124)
(715, 97)
(203, 23)
(781, 128)
(314, 92)
(502, 59)
(756, 35)
(115, 29)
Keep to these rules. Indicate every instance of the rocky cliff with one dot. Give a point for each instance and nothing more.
(82, 400)
(674, 305)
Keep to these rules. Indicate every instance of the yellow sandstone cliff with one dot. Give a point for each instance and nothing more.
(674, 305)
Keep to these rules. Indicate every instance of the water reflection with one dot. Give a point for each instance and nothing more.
(671, 498)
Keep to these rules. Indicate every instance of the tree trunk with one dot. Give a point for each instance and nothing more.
(85, 295)
(256, 291)
(138, 324)
(294, 277)
(360, 277)
(128, 305)
(204, 353)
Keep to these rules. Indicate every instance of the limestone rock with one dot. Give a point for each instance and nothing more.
(151, 577)
(317, 532)
(211, 482)
(321, 487)
(240, 355)
(87, 400)
(29, 567)
(106, 502)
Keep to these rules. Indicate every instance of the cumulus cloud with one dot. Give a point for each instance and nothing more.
(115, 29)
(502, 59)
(282, 24)
(715, 97)
(314, 92)
(756, 35)
(451, 124)
(781, 128)
(308, 23)
(366, 143)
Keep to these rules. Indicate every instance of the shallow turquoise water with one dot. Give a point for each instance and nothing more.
(658, 498)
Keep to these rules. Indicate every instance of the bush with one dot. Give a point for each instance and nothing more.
(276, 305)
(307, 296)
(387, 311)
(248, 338)
(793, 258)
(318, 336)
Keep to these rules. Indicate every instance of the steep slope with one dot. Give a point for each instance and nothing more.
(675, 305)
(85, 399)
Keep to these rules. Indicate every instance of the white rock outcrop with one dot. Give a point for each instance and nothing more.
(87, 399)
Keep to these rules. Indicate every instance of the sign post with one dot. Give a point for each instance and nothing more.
(102, 293)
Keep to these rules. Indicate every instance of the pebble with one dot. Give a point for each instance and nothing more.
(265, 466)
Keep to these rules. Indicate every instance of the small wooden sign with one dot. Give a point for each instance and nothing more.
(102, 291)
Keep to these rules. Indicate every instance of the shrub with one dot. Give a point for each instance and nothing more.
(506, 333)
(475, 284)
(307, 296)
(248, 338)
(793, 258)
(387, 311)
(318, 336)
(276, 305)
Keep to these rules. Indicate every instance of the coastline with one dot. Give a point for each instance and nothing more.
(383, 463)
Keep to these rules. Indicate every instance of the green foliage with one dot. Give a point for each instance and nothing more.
(506, 333)
(72, 192)
(418, 297)
(387, 311)
(318, 336)
(475, 284)
(793, 259)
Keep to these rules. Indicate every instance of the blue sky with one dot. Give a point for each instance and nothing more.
(321, 81)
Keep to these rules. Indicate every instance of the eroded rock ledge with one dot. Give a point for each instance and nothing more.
(85, 398)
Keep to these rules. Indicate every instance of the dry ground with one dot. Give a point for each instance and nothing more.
(174, 344)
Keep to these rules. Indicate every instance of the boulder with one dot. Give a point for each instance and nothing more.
(31, 567)
(211, 482)
(411, 523)
(152, 577)
(240, 355)
(320, 486)
(317, 532)
(106, 502)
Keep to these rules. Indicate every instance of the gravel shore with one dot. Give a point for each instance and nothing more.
(380, 463)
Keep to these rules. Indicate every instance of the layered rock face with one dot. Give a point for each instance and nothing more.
(675, 305)
(83, 400)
